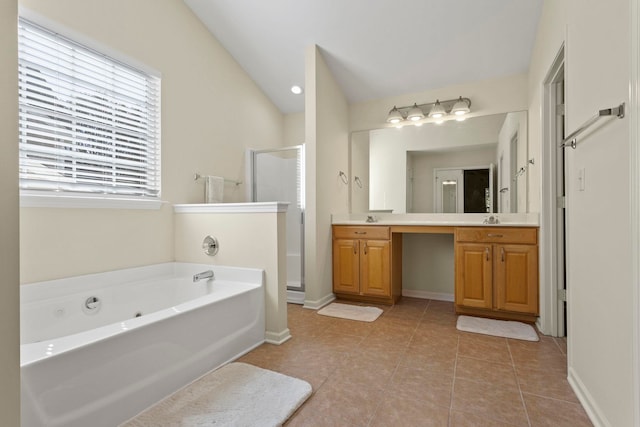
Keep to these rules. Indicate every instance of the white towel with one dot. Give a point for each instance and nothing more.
(213, 189)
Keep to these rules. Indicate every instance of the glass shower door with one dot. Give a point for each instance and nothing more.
(278, 176)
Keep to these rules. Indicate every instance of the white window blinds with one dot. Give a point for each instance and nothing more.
(88, 123)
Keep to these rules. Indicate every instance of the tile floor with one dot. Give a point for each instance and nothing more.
(411, 367)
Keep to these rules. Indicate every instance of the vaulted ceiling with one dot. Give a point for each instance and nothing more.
(374, 48)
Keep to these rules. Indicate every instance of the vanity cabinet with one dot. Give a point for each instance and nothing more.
(496, 272)
(362, 264)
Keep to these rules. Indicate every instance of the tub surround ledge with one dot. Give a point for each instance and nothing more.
(256, 207)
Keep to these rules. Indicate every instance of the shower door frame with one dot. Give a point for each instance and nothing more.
(253, 196)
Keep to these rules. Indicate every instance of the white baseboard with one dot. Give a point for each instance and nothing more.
(585, 398)
(317, 304)
(438, 296)
(295, 297)
(277, 338)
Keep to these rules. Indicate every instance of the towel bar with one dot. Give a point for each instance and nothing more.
(197, 176)
(571, 140)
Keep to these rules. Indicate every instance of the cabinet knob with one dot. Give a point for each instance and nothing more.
(360, 232)
(486, 251)
(494, 235)
(502, 254)
(355, 248)
(365, 247)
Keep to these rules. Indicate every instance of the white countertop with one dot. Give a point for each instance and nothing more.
(504, 219)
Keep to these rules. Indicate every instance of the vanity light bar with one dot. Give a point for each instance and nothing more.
(437, 110)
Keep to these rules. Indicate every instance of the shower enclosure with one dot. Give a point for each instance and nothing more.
(278, 175)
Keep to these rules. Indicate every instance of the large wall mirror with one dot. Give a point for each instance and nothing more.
(476, 165)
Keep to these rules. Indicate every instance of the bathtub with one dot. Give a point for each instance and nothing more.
(98, 349)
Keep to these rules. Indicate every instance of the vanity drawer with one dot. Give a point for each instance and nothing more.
(366, 232)
(525, 235)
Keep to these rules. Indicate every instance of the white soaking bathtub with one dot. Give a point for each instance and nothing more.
(98, 349)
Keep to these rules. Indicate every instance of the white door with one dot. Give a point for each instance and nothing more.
(449, 191)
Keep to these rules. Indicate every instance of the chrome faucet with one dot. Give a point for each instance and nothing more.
(204, 275)
(491, 220)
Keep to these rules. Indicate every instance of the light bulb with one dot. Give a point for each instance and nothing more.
(437, 110)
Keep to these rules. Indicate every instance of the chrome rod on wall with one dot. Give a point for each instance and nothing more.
(197, 176)
(571, 140)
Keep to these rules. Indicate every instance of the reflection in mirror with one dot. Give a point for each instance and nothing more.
(397, 167)
(449, 196)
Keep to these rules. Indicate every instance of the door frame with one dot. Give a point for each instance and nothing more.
(634, 166)
(491, 168)
(550, 321)
(250, 174)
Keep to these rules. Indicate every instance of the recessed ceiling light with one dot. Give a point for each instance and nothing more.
(296, 89)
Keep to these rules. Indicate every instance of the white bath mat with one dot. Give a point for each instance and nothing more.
(498, 328)
(237, 394)
(351, 312)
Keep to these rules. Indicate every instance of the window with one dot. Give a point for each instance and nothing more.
(89, 125)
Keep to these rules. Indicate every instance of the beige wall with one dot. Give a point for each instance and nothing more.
(208, 102)
(549, 40)
(327, 138)
(427, 266)
(253, 240)
(9, 239)
(605, 159)
(60, 243)
(487, 97)
(293, 129)
(600, 289)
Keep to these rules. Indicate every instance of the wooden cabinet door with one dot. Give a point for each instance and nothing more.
(516, 270)
(375, 268)
(473, 281)
(346, 266)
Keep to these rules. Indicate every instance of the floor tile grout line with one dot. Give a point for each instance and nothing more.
(555, 399)
(410, 313)
(395, 369)
(555, 340)
(453, 381)
(515, 373)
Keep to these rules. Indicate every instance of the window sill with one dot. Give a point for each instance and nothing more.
(31, 200)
